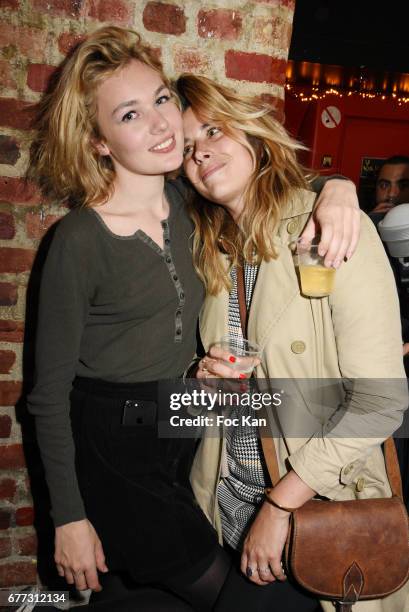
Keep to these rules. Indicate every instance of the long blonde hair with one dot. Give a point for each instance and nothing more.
(64, 160)
(276, 177)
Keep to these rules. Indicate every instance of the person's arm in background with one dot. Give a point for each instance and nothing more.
(383, 207)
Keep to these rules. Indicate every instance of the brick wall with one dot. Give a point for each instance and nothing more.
(242, 43)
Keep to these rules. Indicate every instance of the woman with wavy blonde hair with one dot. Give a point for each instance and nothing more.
(66, 163)
(118, 308)
(255, 202)
(275, 174)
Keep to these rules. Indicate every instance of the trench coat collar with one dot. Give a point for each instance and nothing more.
(301, 203)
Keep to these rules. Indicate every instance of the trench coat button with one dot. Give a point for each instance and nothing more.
(360, 484)
(298, 346)
(292, 227)
(348, 469)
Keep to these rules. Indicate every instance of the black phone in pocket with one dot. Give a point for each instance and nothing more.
(139, 413)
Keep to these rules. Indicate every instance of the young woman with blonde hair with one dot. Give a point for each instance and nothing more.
(118, 308)
(255, 202)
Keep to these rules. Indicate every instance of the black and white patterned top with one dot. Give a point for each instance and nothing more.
(241, 491)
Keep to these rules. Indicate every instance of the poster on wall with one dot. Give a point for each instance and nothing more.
(367, 181)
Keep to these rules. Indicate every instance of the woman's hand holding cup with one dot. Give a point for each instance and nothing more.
(230, 357)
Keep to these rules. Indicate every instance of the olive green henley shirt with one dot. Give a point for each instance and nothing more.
(114, 308)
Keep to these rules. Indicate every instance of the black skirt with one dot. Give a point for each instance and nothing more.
(135, 485)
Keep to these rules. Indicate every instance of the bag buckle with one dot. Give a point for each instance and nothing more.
(353, 584)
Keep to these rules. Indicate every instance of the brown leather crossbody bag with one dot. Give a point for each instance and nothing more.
(347, 551)
(344, 551)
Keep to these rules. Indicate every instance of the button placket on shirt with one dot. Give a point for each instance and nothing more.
(176, 281)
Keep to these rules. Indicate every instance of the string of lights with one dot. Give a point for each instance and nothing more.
(317, 93)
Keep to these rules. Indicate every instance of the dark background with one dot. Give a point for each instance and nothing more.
(367, 33)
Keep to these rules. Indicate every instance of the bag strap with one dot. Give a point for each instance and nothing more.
(241, 297)
(267, 442)
(392, 467)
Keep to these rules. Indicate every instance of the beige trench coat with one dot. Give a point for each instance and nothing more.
(355, 334)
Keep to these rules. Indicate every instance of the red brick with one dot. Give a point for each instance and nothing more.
(7, 228)
(5, 421)
(16, 260)
(6, 75)
(191, 60)
(16, 114)
(18, 573)
(35, 228)
(11, 457)
(10, 393)
(9, 150)
(272, 32)
(72, 8)
(5, 547)
(13, 4)
(7, 488)
(5, 519)
(114, 11)
(5, 426)
(30, 42)
(219, 23)
(18, 191)
(11, 331)
(7, 360)
(24, 516)
(67, 41)
(254, 67)
(164, 18)
(277, 105)
(38, 76)
(157, 52)
(8, 295)
(27, 545)
(279, 3)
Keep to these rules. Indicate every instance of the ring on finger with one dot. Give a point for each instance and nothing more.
(204, 366)
(250, 571)
(263, 570)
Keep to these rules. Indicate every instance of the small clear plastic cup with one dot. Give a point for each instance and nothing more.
(247, 354)
(316, 280)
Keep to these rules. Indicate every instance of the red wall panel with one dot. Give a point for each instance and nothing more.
(362, 128)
